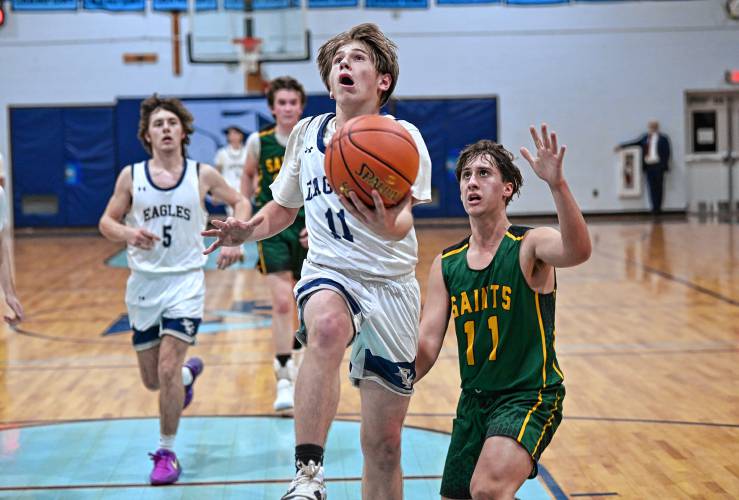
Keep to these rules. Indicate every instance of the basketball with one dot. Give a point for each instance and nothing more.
(372, 152)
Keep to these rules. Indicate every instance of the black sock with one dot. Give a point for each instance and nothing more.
(296, 344)
(283, 358)
(307, 452)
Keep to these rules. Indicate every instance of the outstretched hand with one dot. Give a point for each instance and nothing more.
(379, 219)
(548, 162)
(231, 232)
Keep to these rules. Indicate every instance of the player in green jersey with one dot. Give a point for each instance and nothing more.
(498, 286)
(281, 256)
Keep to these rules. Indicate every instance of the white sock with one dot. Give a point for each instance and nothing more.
(167, 442)
(186, 375)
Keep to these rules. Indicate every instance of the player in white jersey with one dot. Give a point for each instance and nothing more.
(230, 159)
(6, 270)
(358, 283)
(157, 209)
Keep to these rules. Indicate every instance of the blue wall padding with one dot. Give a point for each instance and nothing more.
(90, 163)
(447, 125)
(68, 153)
(37, 140)
(76, 153)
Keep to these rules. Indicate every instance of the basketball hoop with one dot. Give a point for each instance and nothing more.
(250, 55)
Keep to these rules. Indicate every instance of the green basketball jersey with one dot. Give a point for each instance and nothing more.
(505, 330)
(271, 155)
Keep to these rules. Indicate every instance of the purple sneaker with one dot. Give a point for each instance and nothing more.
(195, 365)
(166, 467)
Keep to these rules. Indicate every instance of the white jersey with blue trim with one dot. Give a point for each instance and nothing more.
(336, 238)
(175, 214)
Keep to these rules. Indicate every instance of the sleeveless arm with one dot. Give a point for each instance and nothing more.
(217, 185)
(434, 320)
(111, 223)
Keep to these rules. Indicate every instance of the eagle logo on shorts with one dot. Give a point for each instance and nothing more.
(406, 377)
(189, 326)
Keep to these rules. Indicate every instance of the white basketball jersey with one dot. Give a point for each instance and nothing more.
(232, 161)
(174, 214)
(336, 238)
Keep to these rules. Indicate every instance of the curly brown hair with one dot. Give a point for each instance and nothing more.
(153, 103)
(498, 156)
(382, 53)
(284, 83)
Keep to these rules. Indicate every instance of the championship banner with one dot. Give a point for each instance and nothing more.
(261, 4)
(41, 5)
(323, 4)
(396, 4)
(115, 5)
(181, 5)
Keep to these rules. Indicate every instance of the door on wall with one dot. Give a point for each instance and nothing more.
(713, 150)
(63, 161)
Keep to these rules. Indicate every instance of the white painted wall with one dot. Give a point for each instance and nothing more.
(596, 72)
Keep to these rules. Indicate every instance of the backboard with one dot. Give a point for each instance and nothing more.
(214, 35)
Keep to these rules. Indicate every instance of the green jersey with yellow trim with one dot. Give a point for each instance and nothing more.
(271, 154)
(505, 330)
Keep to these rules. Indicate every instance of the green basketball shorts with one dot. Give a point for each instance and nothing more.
(528, 417)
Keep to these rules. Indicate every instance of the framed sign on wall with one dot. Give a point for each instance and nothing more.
(630, 173)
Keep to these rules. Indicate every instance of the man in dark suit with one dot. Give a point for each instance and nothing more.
(655, 158)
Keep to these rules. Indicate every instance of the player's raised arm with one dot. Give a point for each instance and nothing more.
(434, 320)
(111, 223)
(571, 245)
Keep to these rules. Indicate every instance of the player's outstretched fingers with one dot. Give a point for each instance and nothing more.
(535, 137)
(525, 153)
(562, 151)
(545, 137)
(211, 232)
(213, 246)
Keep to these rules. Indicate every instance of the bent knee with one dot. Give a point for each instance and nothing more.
(491, 488)
(329, 331)
(283, 304)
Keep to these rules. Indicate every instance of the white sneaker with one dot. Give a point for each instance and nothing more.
(285, 388)
(284, 399)
(308, 483)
